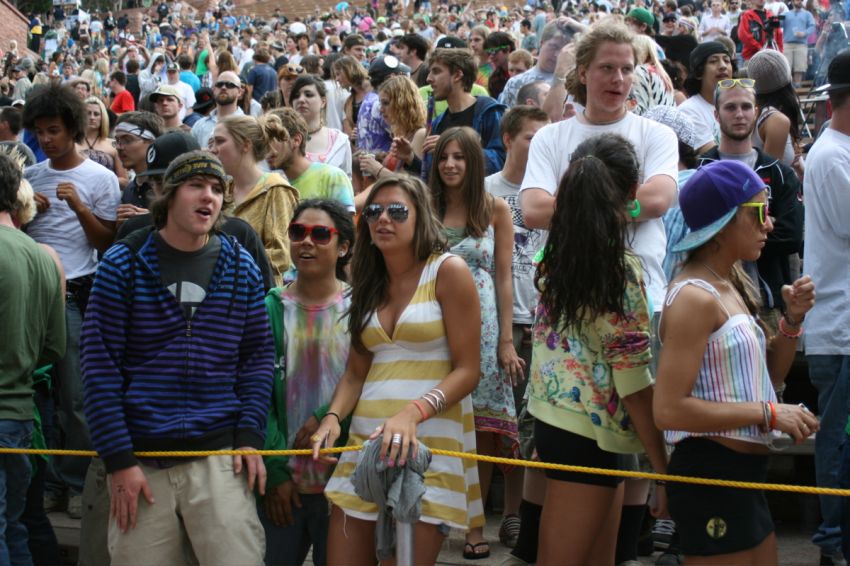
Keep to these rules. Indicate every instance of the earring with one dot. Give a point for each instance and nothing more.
(634, 209)
(341, 254)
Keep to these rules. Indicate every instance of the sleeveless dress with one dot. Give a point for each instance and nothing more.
(405, 366)
(493, 399)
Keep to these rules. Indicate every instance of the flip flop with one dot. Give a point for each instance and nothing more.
(470, 552)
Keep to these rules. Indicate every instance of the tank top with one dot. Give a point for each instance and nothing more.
(788, 154)
(733, 370)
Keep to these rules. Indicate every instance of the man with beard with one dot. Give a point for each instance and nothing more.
(735, 110)
(227, 91)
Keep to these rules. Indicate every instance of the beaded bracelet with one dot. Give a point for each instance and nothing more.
(783, 330)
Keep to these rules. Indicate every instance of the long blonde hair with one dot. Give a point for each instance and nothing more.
(647, 55)
(104, 116)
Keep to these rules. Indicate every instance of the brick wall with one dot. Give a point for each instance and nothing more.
(13, 25)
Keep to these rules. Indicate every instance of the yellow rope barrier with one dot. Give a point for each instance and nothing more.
(464, 455)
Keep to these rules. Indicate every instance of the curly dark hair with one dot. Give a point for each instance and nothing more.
(57, 101)
(342, 221)
(583, 271)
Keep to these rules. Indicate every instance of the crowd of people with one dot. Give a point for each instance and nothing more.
(574, 233)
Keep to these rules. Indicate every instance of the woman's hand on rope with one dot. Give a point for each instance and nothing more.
(325, 437)
(399, 436)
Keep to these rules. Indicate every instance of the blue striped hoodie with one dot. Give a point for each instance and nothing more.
(154, 380)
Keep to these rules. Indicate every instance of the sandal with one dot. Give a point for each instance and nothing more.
(509, 531)
(470, 551)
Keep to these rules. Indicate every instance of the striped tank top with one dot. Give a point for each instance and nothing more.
(405, 366)
(733, 370)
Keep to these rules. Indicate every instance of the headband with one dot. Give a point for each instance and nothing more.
(133, 129)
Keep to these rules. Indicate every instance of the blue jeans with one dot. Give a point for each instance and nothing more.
(14, 482)
(830, 375)
(69, 472)
(290, 545)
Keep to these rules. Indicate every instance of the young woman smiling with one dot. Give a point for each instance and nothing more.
(479, 229)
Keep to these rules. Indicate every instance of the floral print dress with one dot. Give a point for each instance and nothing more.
(493, 399)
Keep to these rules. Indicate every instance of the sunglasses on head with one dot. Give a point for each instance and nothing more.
(320, 234)
(732, 83)
(226, 84)
(763, 209)
(396, 211)
(494, 50)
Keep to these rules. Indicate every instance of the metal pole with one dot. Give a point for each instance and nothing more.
(404, 544)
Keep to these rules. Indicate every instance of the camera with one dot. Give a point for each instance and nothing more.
(774, 22)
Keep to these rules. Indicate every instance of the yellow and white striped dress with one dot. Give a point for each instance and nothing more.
(404, 367)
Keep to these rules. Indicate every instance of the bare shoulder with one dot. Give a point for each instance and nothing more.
(453, 276)
(693, 311)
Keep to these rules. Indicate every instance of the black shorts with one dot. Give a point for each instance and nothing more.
(558, 446)
(717, 520)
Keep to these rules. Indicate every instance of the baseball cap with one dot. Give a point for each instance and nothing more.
(166, 148)
(173, 67)
(451, 42)
(165, 90)
(195, 163)
(711, 197)
(838, 74)
(385, 65)
(204, 98)
(642, 15)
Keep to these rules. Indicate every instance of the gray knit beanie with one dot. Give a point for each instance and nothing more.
(770, 69)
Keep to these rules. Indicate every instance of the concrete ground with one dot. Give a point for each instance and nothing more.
(795, 516)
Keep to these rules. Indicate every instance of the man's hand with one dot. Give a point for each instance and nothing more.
(42, 203)
(429, 144)
(124, 496)
(126, 211)
(255, 468)
(68, 193)
(302, 437)
(279, 503)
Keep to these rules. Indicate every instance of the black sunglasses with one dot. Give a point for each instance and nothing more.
(226, 84)
(396, 211)
(320, 234)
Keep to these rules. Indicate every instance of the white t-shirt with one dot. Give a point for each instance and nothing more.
(658, 154)
(701, 113)
(776, 8)
(708, 21)
(527, 242)
(58, 226)
(827, 245)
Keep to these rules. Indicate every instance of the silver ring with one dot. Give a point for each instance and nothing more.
(396, 438)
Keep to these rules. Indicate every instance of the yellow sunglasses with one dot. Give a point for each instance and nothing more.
(763, 208)
(731, 83)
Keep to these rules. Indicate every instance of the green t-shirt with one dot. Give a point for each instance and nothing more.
(33, 313)
(321, 180)
(441, 106)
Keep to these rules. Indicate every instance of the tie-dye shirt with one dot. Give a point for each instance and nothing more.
(316, 346)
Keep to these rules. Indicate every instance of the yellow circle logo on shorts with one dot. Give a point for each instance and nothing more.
(716, 527)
